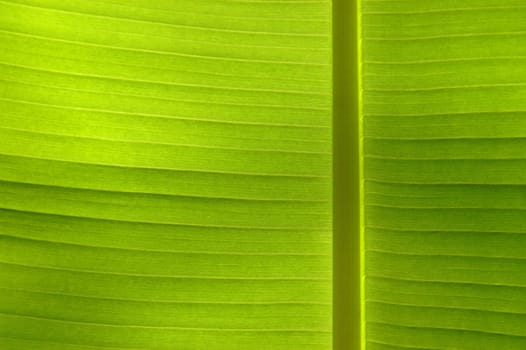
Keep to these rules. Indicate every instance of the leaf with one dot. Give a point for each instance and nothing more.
(444, 127)
(165, 174)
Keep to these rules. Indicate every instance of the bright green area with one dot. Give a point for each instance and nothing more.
(165, 174)
(444, 154)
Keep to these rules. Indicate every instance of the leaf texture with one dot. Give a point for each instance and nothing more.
(165, 174)
(444, 121)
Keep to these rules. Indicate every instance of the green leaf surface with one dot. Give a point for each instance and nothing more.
(165, 174)
(444, 157)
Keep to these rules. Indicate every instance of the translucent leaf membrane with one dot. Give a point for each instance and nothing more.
(444, 159)
(165, 174)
